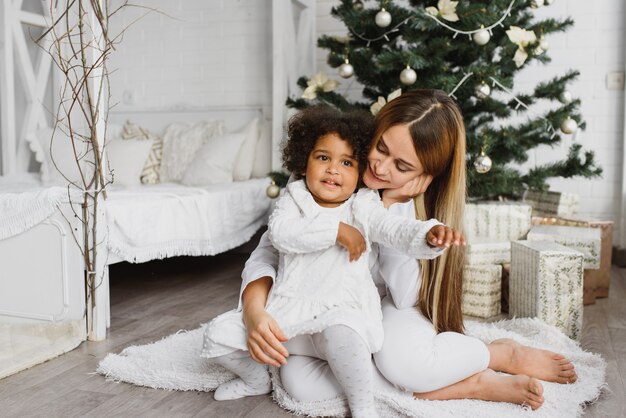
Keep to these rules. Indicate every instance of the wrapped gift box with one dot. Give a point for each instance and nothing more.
(546, 281)
(497, 221)
(552, 203)
(482, 251)
(481, 290)
(596, 281)
(584, 240)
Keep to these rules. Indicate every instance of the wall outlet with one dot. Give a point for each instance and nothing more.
(615, 80)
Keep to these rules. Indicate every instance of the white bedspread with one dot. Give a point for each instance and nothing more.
(166, 220)
(24, 203)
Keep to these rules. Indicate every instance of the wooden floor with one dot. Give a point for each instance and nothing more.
(155, 299)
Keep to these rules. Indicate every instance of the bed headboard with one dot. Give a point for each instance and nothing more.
(156, 120)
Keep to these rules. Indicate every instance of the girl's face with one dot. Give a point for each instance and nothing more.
(392, 161)
(332, 172)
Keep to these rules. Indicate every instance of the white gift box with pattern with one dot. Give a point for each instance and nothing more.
(552, 203)
(546, 281)
(482, 290)
(497, 221)
(483, 251)
(586, 240)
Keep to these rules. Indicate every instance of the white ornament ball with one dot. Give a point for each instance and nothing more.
(569, 126)
(272, 191)
(544, 44)
(535, 4)
(565, 97)
(482, 90)
(408, 76)
(482, 163)
(481, 37)
(346, 70)
(383, 18)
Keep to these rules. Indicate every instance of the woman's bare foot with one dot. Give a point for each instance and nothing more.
(491, 386)
(511, 357)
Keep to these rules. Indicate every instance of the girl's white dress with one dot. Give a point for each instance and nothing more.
(316, 285)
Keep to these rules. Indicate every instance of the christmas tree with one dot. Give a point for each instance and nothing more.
(472, 50)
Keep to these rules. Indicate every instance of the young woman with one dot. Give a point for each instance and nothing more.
(325, 301)
(418, 149)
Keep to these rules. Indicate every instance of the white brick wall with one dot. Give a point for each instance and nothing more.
(194, 53)
(594, 46)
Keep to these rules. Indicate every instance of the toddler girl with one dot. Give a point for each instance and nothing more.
(324, 298)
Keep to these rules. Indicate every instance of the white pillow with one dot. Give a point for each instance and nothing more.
(245, 158)
(214, 162)
(127, 158)
(181, 142)
(263, 160)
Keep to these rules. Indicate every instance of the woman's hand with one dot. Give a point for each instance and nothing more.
(444, 236)
(407, 192)
(264, 338)
(264, 334)
(351, 239)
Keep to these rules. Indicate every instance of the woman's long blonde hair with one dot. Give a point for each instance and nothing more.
(436, 127)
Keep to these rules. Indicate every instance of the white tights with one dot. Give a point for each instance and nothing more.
(413, 358)
(341, 349)
(347, 355)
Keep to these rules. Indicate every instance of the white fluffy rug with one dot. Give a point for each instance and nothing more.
(174, 363)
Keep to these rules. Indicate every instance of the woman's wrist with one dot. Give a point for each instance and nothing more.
(389, 199)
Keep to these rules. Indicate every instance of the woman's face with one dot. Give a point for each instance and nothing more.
(392, 161)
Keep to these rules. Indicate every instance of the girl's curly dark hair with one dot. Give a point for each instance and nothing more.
(310, 124)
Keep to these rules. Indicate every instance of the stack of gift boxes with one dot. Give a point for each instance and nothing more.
(532, 259)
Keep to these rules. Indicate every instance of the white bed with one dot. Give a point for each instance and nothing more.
(167, 220)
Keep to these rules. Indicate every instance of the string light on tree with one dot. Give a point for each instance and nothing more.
(383, 18)
(408, 76)
(482, 90)
(346, 70)
(482, 36)
(569, 126)
(482, 163)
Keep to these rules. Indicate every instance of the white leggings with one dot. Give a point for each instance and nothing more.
(413, 358)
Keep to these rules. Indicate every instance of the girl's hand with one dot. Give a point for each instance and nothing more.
(407, 192)
(444, 236)
(351, 239)
(264, 338)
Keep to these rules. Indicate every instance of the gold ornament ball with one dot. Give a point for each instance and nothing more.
(272, 191)
(569, 126)
(482, 163)
(383, 18)
(357, 5)
(482, 90)
(346, 70)
(481, 37)
(408, 76)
